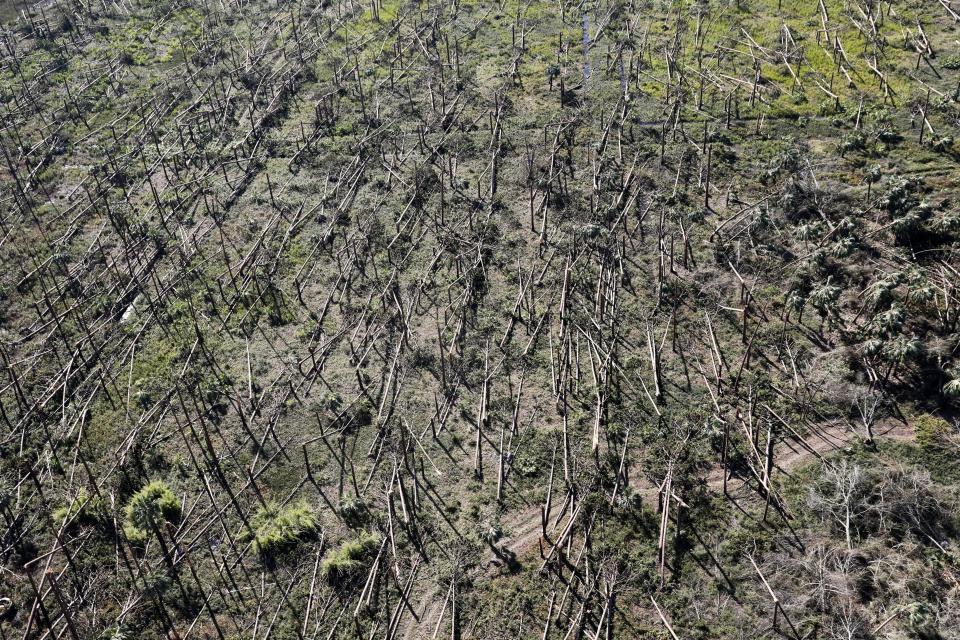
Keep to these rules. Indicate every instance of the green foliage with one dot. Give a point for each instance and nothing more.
(345, 563)
(824, 298)
(952, 390)
(931, 431)
(363, 414)
(149, 507)
(278, 529)
(80, 510)
(920, 621)
(818, 239)
(951, 62)
(354, 512)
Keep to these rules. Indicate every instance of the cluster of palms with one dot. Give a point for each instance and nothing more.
(893, 328)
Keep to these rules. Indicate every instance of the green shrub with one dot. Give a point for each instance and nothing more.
(952, 62)
(363, 414)
(277, 529)
(80, 510)
(346, 562)
(931, 431)
(354, 512)
(149, 507)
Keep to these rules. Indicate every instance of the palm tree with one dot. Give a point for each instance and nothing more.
(947, 223)
(824, 300)
(890, 322)
(796, 301)
(921, 291)
(900, 350)
(151, 507)
(843, 247)
(149, 511)
(807, 231)
(873, 175)
(951, 390)
(553, 72)
(921, 294)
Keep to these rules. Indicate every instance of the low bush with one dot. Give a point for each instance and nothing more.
(277, 529)
(346, 562)
(149, 507)
(80, 510)
(931, 431)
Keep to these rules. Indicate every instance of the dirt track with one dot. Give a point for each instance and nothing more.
(523, 529)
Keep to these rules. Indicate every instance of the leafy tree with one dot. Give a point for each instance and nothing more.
(824, 299)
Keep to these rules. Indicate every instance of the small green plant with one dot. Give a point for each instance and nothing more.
(363, 414)
(355, 513)
(277, 529)
(344, 563)
(553, 72)
(80, 510)
(149, 507)
(952, 62)
(931, 431)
